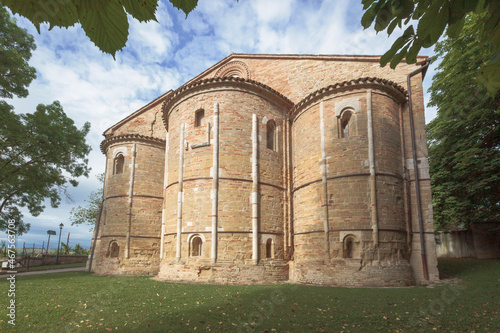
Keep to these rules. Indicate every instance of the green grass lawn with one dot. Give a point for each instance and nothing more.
(77, 301)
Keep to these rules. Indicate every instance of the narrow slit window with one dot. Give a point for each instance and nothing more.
(345, 124)
(199, 118)
(118, 164)
(269, 248)
(271, 135)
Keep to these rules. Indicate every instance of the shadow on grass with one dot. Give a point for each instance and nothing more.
(465, 268)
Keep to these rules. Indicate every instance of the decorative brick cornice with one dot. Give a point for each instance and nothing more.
(130, 138)
(228, 83)
(394, 89)
(235, 67)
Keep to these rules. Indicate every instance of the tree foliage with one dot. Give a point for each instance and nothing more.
(464, 138)
(105, 22)
(79, 249)
(425, 22)
(88, 214)
(65, 248)
(15, 51)
(39, 153)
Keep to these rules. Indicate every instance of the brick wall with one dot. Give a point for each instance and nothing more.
(236, 107)
(299, 191)
(132, 220)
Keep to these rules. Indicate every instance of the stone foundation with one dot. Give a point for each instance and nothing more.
(266, 272)
(352, 273)
(127, 267)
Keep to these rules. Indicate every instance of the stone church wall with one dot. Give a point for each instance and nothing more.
(258, 145)
(129, 241)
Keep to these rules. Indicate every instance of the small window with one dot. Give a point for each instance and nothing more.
(269, 248)
(118, 164)
(196, 246)
(271, 135)
(114, 250)
(344, 124)
(349, 248)
(199, 118)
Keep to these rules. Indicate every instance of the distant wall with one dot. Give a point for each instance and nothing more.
(482, 242)
(487, 239)
(51, 259)
(455, 244)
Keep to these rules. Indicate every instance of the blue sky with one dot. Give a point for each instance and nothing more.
(160, 56)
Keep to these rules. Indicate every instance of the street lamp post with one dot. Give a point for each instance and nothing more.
(58, 244)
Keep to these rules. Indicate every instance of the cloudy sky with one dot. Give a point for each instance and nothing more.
(160, 56)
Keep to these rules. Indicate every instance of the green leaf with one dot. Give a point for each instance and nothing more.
(454, 29)
(492, 27)
(106, 28)
(366, 3)
(393, 25)
(141, 10)
(384, 17)
(398, 57)
(398, 44)
(428, 20)
(489, 75)
(441, 20)
(56, 13)
(457, 12)
(426, 42)
(408, 8)
(186, 6)
(411, 56)
(369, 16)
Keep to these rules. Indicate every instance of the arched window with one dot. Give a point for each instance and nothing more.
(349, 247)
(199, 118)
(269, 248)
(271, 135)
(118, 164)
(196, 246)
(114, 250)
(345, 121)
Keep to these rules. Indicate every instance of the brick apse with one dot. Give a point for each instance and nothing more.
(273, 168)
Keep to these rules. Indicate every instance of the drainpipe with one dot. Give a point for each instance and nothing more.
(415, 169)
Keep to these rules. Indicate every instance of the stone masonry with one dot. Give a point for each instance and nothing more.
(273, 168)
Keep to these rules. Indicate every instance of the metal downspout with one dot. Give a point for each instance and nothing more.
(415, 168)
